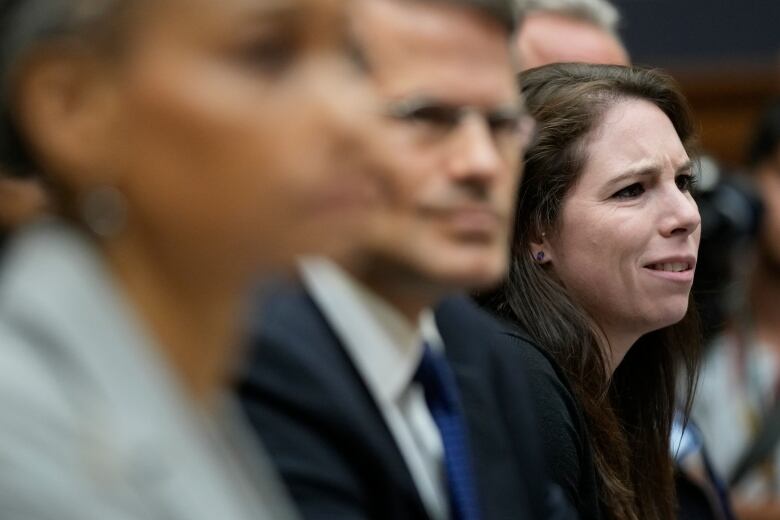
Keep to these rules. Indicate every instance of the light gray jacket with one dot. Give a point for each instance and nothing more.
(93, 425)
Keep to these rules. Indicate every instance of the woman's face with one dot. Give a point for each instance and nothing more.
(628, 235)
(238, 130)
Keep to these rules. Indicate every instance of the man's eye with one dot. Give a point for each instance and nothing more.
(685, 181)
(434, 115)
(629, 192)
(504, 123)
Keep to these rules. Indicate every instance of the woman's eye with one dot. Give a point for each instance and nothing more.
(629, 192)
(270, 55)
(356, 56)
(685, 182)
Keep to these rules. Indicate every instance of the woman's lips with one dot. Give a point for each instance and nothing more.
(677, 269)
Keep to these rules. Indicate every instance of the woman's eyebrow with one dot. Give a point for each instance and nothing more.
(646, 170)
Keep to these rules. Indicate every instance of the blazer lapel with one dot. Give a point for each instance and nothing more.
(365, 434)
(467, 343)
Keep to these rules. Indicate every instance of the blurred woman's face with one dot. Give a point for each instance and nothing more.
(628, 235)
(238, 130)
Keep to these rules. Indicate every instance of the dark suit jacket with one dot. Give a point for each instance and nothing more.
(329, 440)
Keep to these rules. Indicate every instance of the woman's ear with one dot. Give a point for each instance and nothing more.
(540, 249)
(63, 106)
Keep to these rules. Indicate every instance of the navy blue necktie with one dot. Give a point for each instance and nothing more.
(441, 395)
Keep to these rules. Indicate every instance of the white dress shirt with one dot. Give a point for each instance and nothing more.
(386, 350)
(735, 389)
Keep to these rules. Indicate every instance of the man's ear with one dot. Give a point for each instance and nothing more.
(63, 106)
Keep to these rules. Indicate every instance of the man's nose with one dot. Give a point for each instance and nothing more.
(475, 153)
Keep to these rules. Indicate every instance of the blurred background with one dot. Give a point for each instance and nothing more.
(725, 53)
(726, 56)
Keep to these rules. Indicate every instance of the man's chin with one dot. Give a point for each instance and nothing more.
(442, 269)
(474, 274)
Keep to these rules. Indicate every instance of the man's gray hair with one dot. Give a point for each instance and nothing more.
(600, 13)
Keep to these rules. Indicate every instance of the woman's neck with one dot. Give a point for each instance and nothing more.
(618, 343)
(194, 319)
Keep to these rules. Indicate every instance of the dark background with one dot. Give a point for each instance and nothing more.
(725, 53)
(701, 32)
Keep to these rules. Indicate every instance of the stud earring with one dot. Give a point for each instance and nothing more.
(540, 256)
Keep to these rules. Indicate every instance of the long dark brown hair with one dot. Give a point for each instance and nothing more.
(629, 414)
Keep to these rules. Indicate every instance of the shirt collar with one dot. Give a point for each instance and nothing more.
(385, 347)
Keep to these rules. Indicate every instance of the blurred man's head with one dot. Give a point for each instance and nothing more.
(446, 74)
(555, 31)
(764, 160)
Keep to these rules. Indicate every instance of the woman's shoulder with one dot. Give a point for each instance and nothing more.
(559, 415)
(543, 371)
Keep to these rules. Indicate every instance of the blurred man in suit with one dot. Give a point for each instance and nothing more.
(557, 31)
(372, 404)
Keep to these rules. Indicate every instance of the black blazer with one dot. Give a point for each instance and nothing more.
(329, 441)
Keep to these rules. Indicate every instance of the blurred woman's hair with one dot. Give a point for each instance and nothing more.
(629, 413)
(27, 26)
